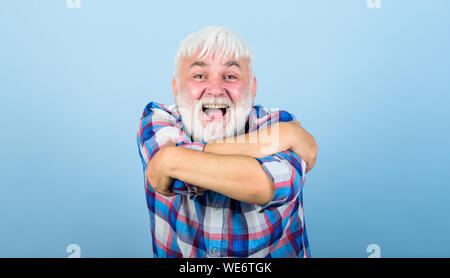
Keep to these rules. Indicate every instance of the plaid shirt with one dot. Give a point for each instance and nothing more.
(192, 224)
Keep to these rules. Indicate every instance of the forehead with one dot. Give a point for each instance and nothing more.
(214, 60)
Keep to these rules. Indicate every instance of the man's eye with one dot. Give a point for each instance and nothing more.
(199, 76)
(230, 77)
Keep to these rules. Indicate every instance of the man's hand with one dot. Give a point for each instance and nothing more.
(290, 136)
(156, 172)
(301, 143)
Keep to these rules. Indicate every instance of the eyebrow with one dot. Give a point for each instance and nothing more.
(232, 63)
(202, 64)
(198, 63)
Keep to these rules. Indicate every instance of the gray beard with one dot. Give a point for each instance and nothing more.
(191, 116)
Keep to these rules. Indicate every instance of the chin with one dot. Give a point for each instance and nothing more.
(231, 125)
(212, 119)
(216, 131)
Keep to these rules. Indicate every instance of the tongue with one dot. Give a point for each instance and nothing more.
(214, 113)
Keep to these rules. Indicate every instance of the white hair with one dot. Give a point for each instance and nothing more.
(214, 39)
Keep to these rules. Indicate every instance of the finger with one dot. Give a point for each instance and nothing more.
(170, 143)
(296, 122)
(166, 193)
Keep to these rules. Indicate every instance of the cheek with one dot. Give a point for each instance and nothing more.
(193, 90)
(237, 91)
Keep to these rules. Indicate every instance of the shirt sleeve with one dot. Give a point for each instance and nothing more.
(287, 171)
(157, 126)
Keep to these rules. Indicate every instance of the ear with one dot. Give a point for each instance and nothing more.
(254, 87)
(175, 88)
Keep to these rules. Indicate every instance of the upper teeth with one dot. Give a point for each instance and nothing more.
(215, 106)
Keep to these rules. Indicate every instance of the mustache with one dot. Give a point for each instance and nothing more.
(214, 101)
(245, 102)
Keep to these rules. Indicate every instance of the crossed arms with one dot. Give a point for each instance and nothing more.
(231, 167)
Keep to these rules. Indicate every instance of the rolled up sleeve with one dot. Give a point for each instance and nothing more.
(287, 171)
(157, 127)
(181, 187)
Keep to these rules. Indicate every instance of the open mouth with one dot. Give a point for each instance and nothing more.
(214, 111)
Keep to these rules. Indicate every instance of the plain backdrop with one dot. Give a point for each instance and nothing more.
(371, 84)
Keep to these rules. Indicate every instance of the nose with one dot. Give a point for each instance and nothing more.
(215, 89)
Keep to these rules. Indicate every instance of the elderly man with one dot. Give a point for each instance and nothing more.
(223, 177)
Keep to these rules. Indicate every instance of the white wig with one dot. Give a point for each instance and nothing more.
(214, 39)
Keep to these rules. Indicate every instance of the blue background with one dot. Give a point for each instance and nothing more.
(372, 86)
